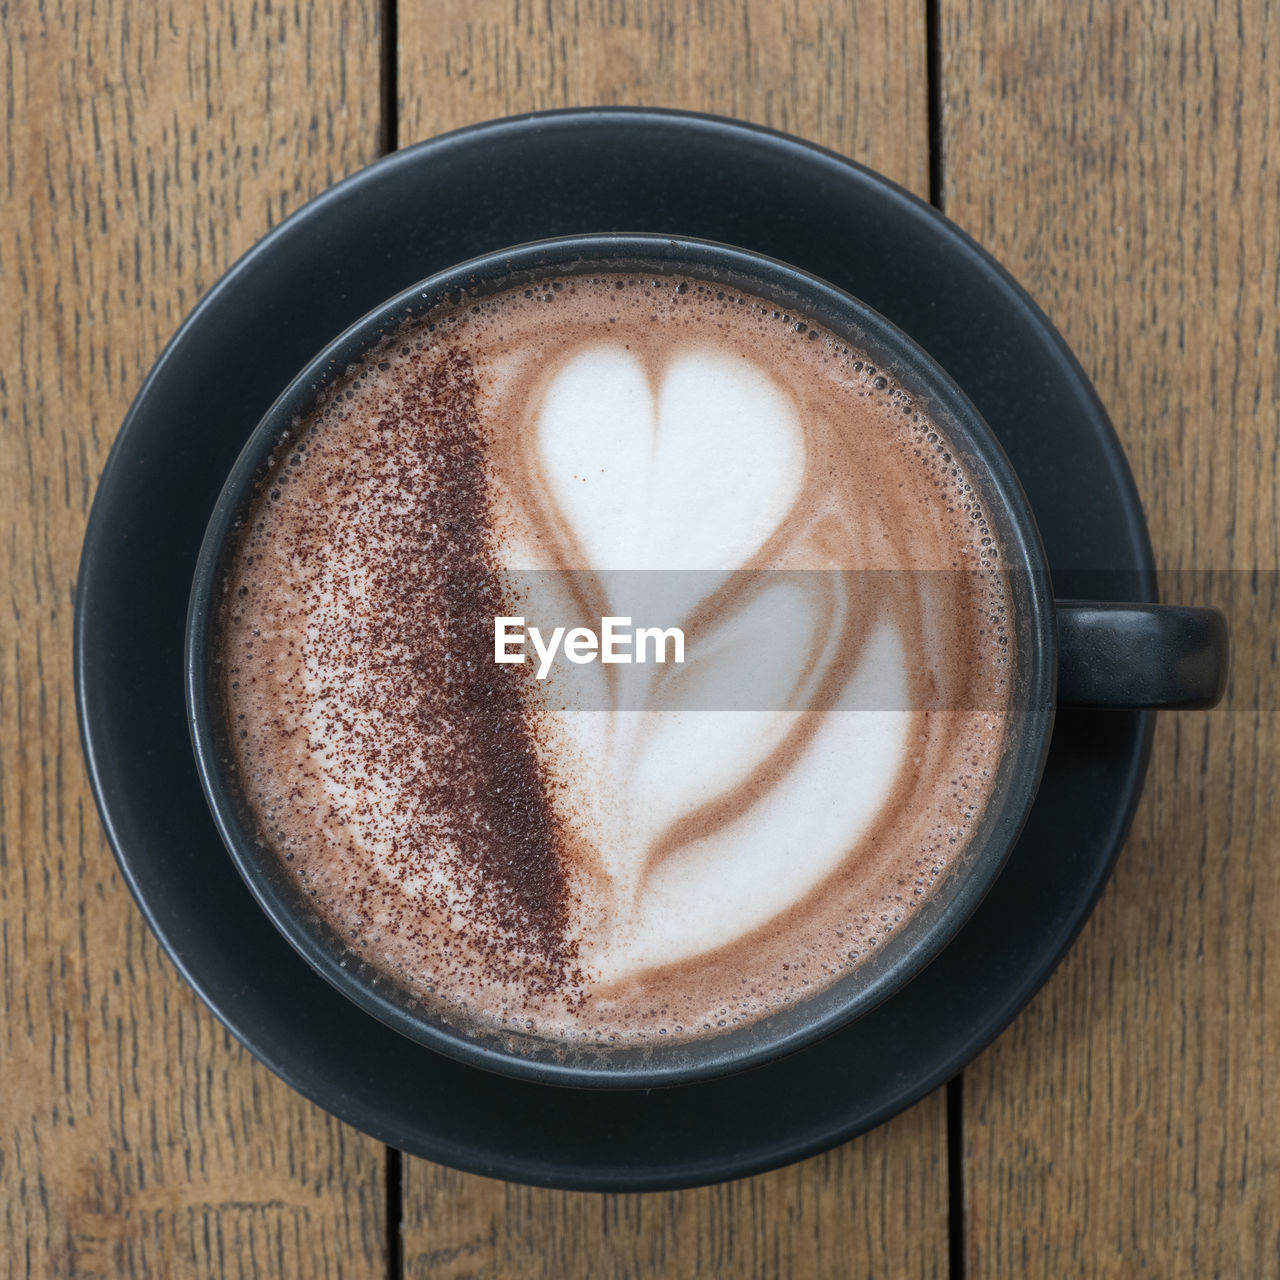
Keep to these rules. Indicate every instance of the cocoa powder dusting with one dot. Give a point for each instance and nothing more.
(458, 726)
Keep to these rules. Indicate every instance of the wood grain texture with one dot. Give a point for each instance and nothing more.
(1125, 164)
(143, 148)
(853, 78)
(875, 1207)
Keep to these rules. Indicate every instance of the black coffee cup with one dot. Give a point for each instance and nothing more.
(1067, 653)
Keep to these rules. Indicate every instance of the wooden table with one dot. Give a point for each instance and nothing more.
(1124, 164)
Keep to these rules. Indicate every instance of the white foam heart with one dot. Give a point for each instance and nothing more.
(694, 473)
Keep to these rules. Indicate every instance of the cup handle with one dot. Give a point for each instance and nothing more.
(1157, 656)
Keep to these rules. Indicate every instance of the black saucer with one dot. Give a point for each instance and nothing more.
(397, 221)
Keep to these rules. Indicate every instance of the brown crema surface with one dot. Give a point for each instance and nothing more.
(453, 819)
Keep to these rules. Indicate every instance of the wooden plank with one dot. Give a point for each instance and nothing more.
(852, 78)
(874, 1207)
(1123, 163)
(849, 76)
(144, 147)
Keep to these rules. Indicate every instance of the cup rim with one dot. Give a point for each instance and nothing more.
(879, 977)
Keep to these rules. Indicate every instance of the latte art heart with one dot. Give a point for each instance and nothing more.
(626, 452)
(630, 464)
(617, 852)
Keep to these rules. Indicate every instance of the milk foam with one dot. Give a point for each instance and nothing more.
(649, 869)
(628, 463)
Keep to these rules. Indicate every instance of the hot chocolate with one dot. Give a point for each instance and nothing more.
(622, 852)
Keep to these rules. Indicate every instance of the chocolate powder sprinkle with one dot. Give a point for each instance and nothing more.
(441, 595)
(456, 726)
